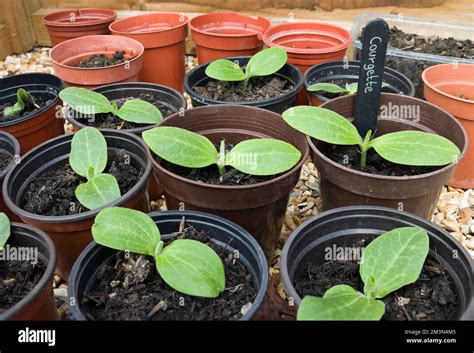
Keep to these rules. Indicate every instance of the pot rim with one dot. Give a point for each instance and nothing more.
(389, 177)
(154, 14)
(437, 90)
(58, 47)
(228, 13)
(16, 147)
(287, 174)
(190, 91)
(83, 215)
(108, 15)
(45, 278)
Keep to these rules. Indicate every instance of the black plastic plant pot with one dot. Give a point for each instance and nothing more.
(39, 303)
(342, 72)
(10, 148)
(339, 227)
(41, 124)
(72, 233)
(197, 77)
(167, 97)
(83, 278)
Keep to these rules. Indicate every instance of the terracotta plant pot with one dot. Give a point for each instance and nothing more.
(197, 77)
(71, 52)
(68, 24)
(41, 125)
(223, 34)
(259, 208)
(308, 44)
(72, 233)
(418, 194)
(10, 145)
(339, 227)
(442, 84)
(163, 36)
(348, 72)
(83, 275)
(168, 97)
(39, 303)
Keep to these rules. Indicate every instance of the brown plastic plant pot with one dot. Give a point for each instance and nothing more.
(71, 52)
(41, 125)
(223, 34)
(259, 208)
(72, 233)
(308, 44)
(342, 186)
(9, 144)
(443, 85)
(39, 304)
(163, 36)
(68, 24)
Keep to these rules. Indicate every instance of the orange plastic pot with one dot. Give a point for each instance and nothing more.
(443, 85)
(308, 44)
(163, 36)
(69, 24)
(71, 52)
(223, 34)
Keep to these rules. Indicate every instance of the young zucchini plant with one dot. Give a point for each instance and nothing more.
(4, 230)
(188, 149)
(414, 148)
(349, 88)
(89, 102)
(186, 265)
(88, 159)
(264, 63)
(391, 261)
(23, 99)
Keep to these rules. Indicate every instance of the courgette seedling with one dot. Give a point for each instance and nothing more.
(264, 63)
(349, 88)
(23, 98)
(391, 261)
(4, 230)
(88, 159)
(414, 148)
(186, 265)
(88, 102)
(261, 156)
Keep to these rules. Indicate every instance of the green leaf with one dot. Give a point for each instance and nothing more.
(139, 112)
(98, 191)
(327, 87)
(263, 156)
(125, 229)
(266, 62)
(88, 150)
(4, 230)
(352, 87)
(393, 260)
(322, 124)
(225, 70)
(416, 148)
(85, 101)
(181, 147)
(192, 268)
(340, 302)
(22, 98)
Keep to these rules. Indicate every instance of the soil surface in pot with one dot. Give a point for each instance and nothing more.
(52, 193)
(349, 156)
(102, 60)
(109, 121)
(431, 297)
(41, 100)
(5, 159)
(258, 89)
(17, 279)
(131, 289)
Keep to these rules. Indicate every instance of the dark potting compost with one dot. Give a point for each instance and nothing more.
(102, 60)
(259, 88)
(431, 297)
(5, 159)
(130, 288)
(349, 156)
(17, 279)
(52, 193)
(41, 100)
